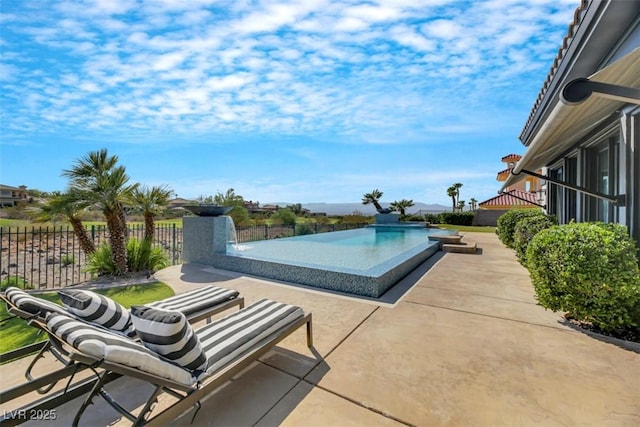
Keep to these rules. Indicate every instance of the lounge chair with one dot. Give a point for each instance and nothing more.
(228, 345)
(196, 305)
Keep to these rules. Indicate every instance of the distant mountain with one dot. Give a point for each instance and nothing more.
(349, 208)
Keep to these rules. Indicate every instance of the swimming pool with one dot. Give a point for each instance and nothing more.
(366, 261)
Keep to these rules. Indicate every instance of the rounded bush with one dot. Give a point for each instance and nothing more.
(507, 223)
(526, 229)
(589, 270)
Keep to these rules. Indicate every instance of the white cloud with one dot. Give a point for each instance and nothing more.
(379, 72)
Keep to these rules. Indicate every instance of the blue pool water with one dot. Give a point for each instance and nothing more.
(362, 251)
(366, 261)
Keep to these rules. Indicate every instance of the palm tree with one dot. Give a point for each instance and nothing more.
(230, 198)
(401, 206)
(457, 186)
(98, 179)
(69, 206)
(151, 201)
(452, 192)
(461, 204)
(373, 198)
(472, 204)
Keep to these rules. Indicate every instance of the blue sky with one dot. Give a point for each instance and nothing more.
(284, 101)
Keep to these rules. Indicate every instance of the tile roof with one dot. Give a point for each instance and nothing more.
(573, 26)
(507, 200)
(511, 156)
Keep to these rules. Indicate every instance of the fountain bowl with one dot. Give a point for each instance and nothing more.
(208, 210)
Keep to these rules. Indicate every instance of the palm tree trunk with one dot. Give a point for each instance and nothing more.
(87, 245)
(118, 242)
(149, 227)
(123, 220)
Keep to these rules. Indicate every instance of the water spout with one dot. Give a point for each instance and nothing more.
(233, 235)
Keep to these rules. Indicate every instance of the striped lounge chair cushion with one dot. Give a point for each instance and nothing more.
(169, 333)
(197, 300)
(102, 344)
(98, 309)
(228, 338)
(31, 304)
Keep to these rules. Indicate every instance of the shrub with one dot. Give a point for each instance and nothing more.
(507, 223)
(456, 218)
(284, 217)
(67, 260)
(526, 229)
(432, 218)
(100, 263)
(589, 270)
(141, 256)
(15, 281)
(412, 218)
(304, 229)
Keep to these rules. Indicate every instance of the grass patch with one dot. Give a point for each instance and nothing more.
(472, 228)
(16, 333)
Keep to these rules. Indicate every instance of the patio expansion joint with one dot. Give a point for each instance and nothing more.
(489, 316)
(362, 405)
(319, 361)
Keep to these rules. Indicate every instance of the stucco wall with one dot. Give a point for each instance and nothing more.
(488, 217)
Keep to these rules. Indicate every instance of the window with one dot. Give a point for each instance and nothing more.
(555, 195)
(602, 163)
(571, 196)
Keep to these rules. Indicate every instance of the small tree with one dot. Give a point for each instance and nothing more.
(284, 216)
(472, 204)
(452, 192)
(373, 198)
(151, 201)
(401, 206)
(69, 206)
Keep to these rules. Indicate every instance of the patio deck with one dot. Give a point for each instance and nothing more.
(467, 345)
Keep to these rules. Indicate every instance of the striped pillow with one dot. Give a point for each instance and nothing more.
(98, 309)
(102, 344)
(169, 334)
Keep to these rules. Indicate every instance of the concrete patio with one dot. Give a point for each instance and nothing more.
(465, 346)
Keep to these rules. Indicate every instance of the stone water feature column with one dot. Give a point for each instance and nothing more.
(204, 238)
(387, 218)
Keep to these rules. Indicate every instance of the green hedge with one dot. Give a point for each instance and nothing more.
(507, 224)
(526, 229)
(456, 218)
(589, 270)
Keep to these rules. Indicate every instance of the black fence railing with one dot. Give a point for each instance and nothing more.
(51, 257)
(41, 258)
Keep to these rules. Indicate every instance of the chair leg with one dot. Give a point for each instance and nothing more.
(309, 333)
(88, 400)
(27, 374)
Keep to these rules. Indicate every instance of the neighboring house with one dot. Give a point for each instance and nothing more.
(529, 184)
(589, 142)
(522, 194)
(11, 196)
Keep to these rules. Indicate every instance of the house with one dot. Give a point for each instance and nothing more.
(11, 196)
(584, 128)
(522, 194)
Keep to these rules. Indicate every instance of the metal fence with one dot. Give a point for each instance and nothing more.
(48, 257)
